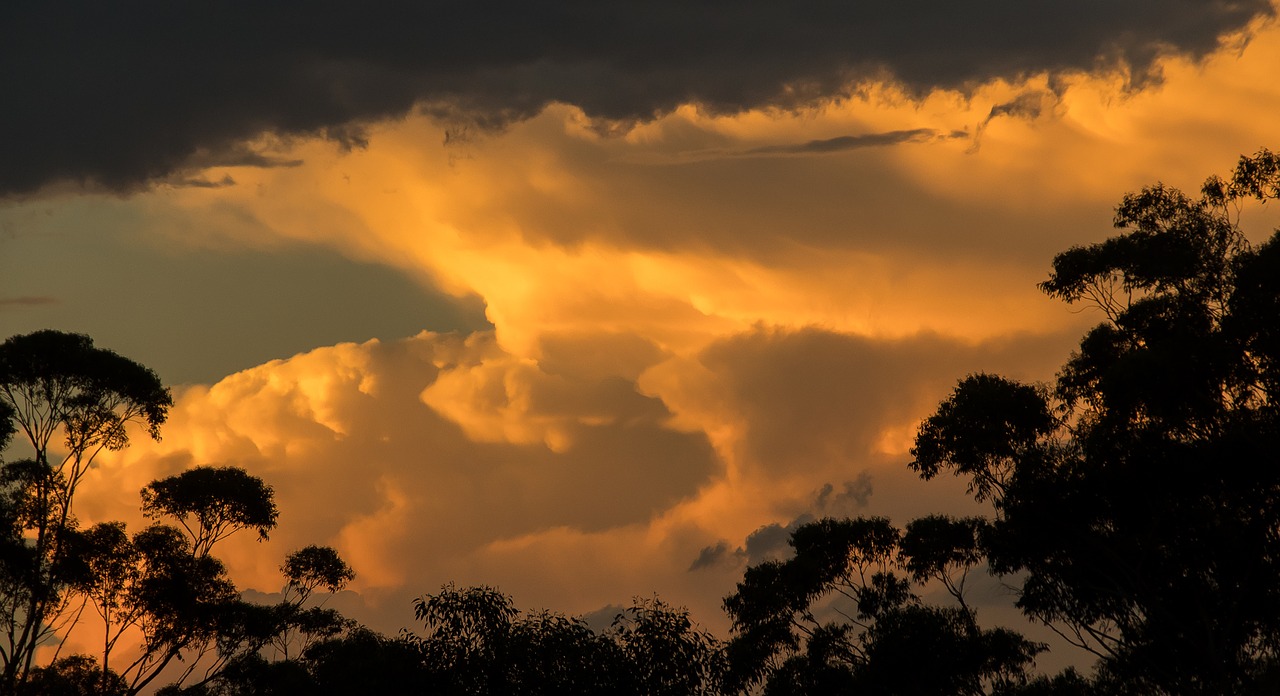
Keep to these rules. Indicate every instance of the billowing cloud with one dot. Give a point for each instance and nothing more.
(361, 458)
(119, 95)
(445, 458)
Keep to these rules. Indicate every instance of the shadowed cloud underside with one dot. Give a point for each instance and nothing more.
(119, 96)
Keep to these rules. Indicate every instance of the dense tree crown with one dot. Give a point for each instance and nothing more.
(1133, 506)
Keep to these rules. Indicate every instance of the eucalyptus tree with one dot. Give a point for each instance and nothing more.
(841, 615)
(477, 642)
(70, 401)
(212, 503)
(1134, 503)
(1138, 497)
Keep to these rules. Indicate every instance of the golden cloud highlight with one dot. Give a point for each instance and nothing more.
(697, 325)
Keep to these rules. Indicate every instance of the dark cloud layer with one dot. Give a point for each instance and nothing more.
(120, 94)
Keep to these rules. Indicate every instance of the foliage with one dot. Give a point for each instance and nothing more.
(477, 642)
(840, 615)
(55, 383)
(161, 584)
(76, 675)
(665, 653)
(1138, 497)
(212, 503)
(1135, 501)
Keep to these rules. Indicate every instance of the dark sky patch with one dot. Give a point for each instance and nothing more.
(196, 315)
(118, 95)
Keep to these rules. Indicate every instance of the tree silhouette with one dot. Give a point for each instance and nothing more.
(477, 642)
(162, 583)
(840, 616)
(1139, 497)
(1135, 502)
(54, 383)
(212, 503)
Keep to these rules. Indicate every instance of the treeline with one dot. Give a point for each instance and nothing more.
(1133, 505)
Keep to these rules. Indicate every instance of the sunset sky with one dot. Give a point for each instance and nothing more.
(584, 300)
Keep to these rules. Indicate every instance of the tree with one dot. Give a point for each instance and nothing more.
(306, 570)
(477, 642)
(162, 583)
(1138, 497)
(76, 675)
(186, 607)
(665, 652)
(212, 503)
(108, 570)
(179, 601)
(51, 384)
(840, 616)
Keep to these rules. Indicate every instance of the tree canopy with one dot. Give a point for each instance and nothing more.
(55, 383)
(1133, 503)
(212, 503)
(161, 584)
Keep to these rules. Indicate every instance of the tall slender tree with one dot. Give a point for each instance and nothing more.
(70, 401)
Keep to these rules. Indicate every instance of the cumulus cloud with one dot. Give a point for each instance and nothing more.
(120, 95)
(360, 459)
(445, 458)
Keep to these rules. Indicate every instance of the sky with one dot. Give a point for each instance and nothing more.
(584, 300)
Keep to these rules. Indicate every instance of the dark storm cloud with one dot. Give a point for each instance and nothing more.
(119, 94)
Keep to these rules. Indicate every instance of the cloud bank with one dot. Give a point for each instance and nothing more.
(444, 457)
(117, 95)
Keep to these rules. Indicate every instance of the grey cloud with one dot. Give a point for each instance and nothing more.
(201, 182)
(772, 541)
(601, 619)
(1028, 105)
(118, 95)
(850, 142)
(768, 543)
(6, 302)
(717, 555)
(847, 501)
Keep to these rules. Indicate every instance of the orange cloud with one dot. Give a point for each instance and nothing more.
(698, 324)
